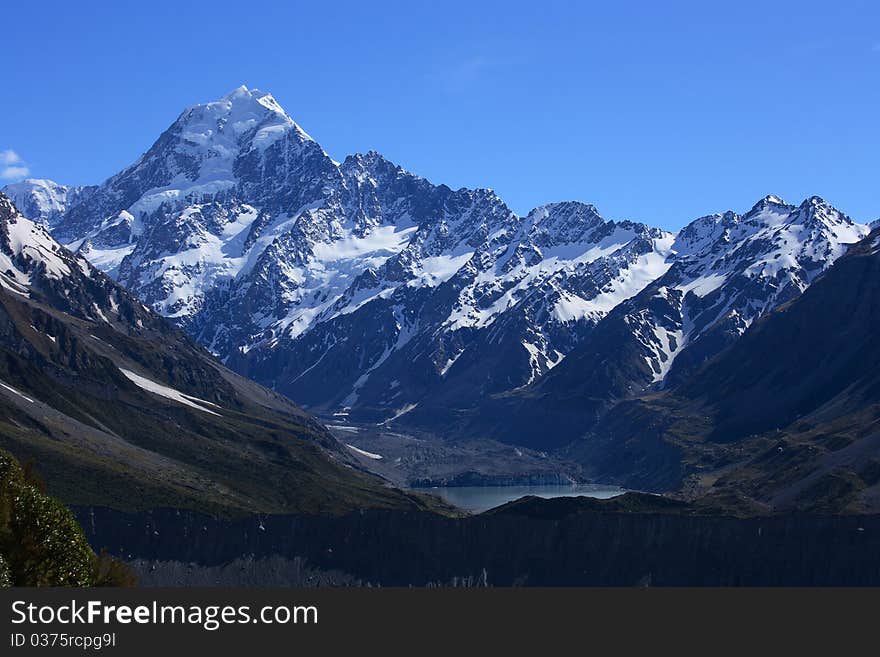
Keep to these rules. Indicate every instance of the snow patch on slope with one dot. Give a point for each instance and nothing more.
(362, 452)
(169, 393)
(14, 391)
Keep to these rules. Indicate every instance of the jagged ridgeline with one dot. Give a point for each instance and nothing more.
(360, 287)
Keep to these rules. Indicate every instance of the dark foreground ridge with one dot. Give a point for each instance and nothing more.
(633, 540)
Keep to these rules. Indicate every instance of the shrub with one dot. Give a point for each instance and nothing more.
(41, 543)
(107, 570)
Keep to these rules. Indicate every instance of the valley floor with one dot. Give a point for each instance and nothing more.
(424, 460)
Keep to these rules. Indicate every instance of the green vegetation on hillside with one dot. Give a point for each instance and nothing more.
(41, 543)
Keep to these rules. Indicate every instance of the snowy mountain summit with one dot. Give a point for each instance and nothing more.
(44, 201)
(363, 286)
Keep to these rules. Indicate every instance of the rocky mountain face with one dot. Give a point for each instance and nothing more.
(727, 270)
(788, 417)
(453, 319)
(119, 408)
(361, 289)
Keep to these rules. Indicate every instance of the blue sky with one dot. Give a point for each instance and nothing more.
(658, 112)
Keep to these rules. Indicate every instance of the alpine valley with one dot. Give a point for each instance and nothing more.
(409, 312)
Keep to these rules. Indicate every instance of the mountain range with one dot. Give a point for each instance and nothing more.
(726, 271)
(117, 407)
(368, 293)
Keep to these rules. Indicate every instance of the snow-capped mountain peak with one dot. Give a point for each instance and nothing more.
(27, 248)
(219, 170)
(728, 270)
(241, 114)
(33, 265)
(243, 94)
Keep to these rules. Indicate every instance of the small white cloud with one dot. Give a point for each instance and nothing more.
(12, 167)
(14, 173)
(9, 156)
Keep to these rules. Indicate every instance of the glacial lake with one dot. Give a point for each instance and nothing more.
(477, 499)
